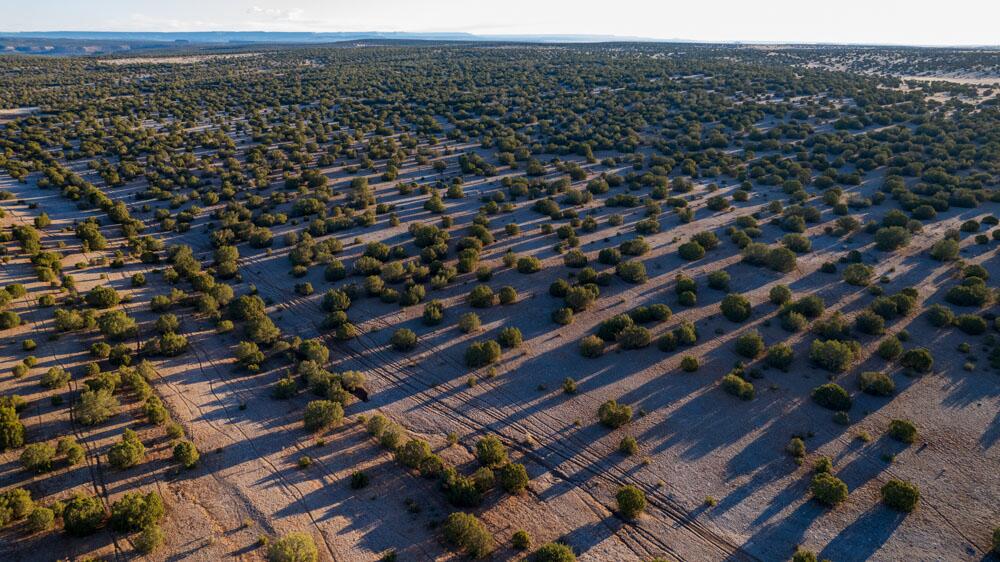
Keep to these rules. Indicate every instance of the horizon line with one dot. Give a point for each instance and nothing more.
(473, 37)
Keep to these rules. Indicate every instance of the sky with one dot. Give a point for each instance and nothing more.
(908, 22)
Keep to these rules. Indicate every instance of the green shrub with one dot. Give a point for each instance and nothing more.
(940, 316)
(11, 429)
(528, 264)
(689, 364)
(521, 540)
(293, 547)
(876, 383)
(828, 489)
(903, 430)
(481, 297)
(919, 360)
(469, 322)
(513, 478)
(55, 377)
(691, 251)
(779, 294)
(321, 414)
(780, 356)
(149, 539)
(900, 496)
(466, 532)
(796, 447)
(359, 479)
(858, 274)
(736, 308)
(554, 552)
(37, 457)
(510, 337)
(802, 555)
(413, 452)
(563, 316)
(971, 324)
(634, 337)
(482, 353)
(718, 280)
(508, 295)
(135, 511)
(891, 238)
(614, 415)
(186, 454)
(870, 323)
(833, 355)
(83, 515)
(632, 271)
(41, 519)
(128, 452)
(404, 339)
(737, 386)
(490, 452)
(591, 346)
(750, 344)
(631, 501)
(890, 348)
(833, 396)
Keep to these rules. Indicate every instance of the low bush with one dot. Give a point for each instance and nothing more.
(903, 431)
(736, 308)
(833, 396)
(614, 415)
(750, 344)
(482, 353)
(293, 547)
(466, 532)
(592, 346)
(900, 496)
(828, 489)
(876, 383)
(918, 360)
(631, 501)
(404, 339)
(554, 552)
(738, 386)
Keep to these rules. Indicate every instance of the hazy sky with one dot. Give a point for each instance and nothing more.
(924, 22)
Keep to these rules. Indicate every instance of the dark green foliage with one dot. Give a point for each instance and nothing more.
(83, 515)
(876, 383)
(735, 307)
(737, 386)
(900, 496)
(404, 339)
(828, 489)
(903, 430)
(832, 396)
(614, 415)
(919, 360)
(750, 344)
(631, 501)
(554, 552)
(467, 533)
(480, 354)
(135, 511)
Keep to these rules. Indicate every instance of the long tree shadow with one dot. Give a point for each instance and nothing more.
(863, 538)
